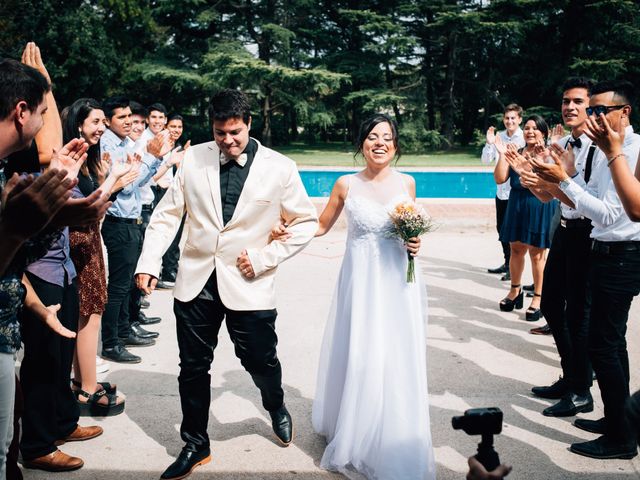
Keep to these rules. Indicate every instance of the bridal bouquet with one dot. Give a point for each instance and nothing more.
(410, 220)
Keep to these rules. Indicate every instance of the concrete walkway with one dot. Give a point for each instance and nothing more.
(477, 356)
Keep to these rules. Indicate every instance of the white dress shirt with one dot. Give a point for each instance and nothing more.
(146, 193)
(580, 155)
(600, 201)
(490, 155)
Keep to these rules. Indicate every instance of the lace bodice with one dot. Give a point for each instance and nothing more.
(368, 208)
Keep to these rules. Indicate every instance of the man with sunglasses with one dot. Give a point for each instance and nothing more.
(614, 271)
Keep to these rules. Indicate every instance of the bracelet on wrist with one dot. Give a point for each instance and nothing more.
(611, 160)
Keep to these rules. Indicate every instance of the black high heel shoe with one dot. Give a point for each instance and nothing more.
(507, 305)
(533, 314)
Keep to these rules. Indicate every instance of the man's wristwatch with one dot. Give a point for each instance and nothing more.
(565, 183)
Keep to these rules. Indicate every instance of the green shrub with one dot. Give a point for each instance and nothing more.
(414, 138)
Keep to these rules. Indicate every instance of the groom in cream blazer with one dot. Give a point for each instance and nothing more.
(234, 191)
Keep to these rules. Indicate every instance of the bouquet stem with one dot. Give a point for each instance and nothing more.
(411, 269)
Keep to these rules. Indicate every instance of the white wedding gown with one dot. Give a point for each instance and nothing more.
(371, 399)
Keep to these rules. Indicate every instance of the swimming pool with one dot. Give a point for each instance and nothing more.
(431, 184)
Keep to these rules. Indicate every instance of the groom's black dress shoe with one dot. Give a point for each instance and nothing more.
(593, 426)
(282, 425)
(570, 405)
(605, 447)
(555, 391)
(185, 464)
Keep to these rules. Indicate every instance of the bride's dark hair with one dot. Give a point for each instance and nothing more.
(369, 124)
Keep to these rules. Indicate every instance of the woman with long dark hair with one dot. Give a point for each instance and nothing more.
(527, 222)
(85, 119)
(371, 400)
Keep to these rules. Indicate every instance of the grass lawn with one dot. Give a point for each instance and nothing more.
(340, 155)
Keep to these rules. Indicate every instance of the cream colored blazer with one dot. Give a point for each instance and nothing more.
(273, 190)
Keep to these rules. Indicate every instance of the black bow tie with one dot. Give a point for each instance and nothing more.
(575, 142)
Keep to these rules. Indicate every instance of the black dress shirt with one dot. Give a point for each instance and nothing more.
(232, 178)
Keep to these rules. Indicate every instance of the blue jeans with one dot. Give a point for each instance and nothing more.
(7, 395)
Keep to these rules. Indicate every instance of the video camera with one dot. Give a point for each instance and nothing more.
(486, 422)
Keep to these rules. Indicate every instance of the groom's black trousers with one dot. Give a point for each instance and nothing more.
(254, 337)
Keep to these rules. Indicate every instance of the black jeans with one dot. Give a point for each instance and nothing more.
(123, 242)
(501, 209)
(50, 408)
(614, 280)
(565, 303)
(254, 337)
(132, 315)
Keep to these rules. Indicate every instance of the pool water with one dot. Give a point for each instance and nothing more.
(428, 184)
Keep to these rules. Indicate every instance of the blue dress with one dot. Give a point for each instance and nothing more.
(527, 219)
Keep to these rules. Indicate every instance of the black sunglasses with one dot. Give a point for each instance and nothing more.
(598, 109)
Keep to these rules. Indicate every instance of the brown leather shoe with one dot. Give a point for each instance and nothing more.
(84, 433)
(54, 462)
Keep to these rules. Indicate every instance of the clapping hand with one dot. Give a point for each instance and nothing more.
(552, 172)
(177, 157)
(500, 146)
(557, 132)
(491, 135)
(161, 144)
(567, 157)
(70, 157)
(517, 161)
(29, 203)
(119, 169)
(607, 138)
(103, 167)
(82, 211)
(31, 56)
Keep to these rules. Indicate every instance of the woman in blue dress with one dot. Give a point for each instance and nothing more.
(527, 222)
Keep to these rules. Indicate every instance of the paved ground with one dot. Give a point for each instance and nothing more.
(477, 356)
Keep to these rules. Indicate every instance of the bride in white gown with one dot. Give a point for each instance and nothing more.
(371, 400)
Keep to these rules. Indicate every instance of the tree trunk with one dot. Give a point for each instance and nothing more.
(266, 117)
(389, 81)
(448, 109)
(293, 125)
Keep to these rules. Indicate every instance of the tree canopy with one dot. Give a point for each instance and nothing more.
(444, 69)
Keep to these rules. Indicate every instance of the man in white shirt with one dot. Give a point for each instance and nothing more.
(614, 273)
(566, 270)
(512, 134)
